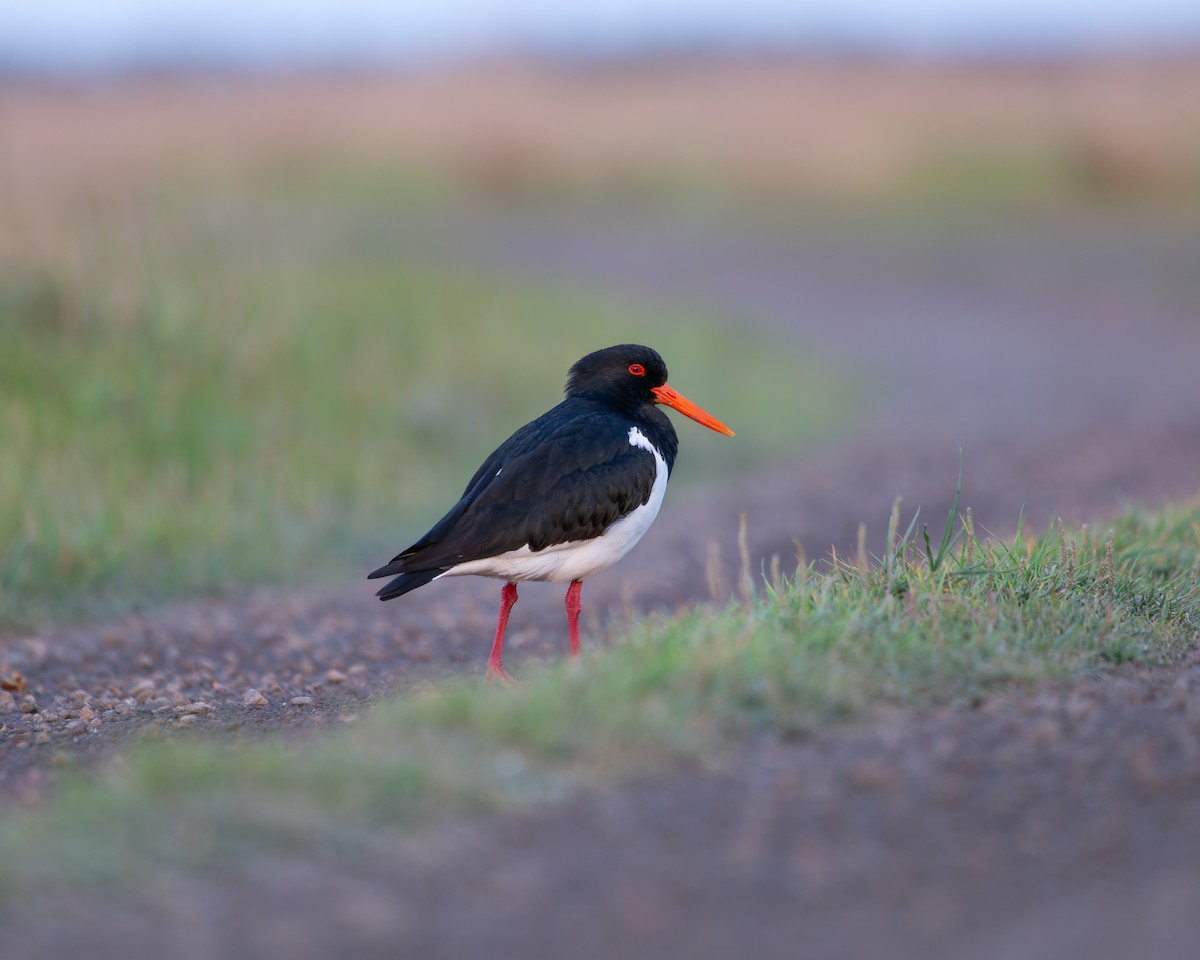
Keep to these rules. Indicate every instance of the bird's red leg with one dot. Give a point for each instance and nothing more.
(574, 605)
(495, 668)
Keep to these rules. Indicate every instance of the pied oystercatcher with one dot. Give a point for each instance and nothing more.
(564, 497)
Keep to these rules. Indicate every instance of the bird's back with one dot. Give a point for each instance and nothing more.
(567, 476)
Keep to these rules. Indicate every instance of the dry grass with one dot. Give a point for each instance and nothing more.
(837, 125)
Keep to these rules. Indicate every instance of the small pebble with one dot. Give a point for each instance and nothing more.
(252, 698)
(28, 705)
(143, 689)
(14, 682)
(301, 701)
(335, 676)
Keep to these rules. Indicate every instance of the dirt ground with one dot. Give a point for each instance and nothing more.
(1060, 822)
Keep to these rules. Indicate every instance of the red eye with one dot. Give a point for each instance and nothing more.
(637, 369)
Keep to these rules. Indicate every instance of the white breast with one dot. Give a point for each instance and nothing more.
(578, 559)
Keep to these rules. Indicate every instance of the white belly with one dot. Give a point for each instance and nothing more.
(578, 559)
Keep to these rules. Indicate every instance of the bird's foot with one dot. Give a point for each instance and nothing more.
(496, 671)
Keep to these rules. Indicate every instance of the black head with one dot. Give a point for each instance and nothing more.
(631, 377)
(625, 374)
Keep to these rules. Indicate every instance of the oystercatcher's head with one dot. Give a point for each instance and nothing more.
(629, 376)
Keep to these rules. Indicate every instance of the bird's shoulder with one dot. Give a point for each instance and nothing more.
(574, 436)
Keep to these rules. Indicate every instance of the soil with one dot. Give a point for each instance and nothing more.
(1056, 822)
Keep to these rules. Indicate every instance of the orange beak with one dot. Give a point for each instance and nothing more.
(677, 401)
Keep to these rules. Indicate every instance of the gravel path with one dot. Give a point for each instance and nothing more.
(1060, 359)
(1058, 825)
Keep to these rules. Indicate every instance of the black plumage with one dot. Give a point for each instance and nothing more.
(565, 478)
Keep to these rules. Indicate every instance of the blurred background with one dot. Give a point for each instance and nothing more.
(273, 275)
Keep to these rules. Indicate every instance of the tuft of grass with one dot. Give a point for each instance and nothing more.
(198, 401)
(820, 645)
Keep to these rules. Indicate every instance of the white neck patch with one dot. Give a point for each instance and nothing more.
(639, 439)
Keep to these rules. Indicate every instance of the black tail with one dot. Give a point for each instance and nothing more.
(406, 582)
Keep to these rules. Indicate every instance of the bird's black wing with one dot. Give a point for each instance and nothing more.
(568, 475)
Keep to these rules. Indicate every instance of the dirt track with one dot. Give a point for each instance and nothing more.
(1061, 360)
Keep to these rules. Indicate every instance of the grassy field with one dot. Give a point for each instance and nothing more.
(1076, 128)
(928, 623)
(193, 399)
(224, 357)
(259, 373)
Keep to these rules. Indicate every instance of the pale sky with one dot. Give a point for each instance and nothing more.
(88, 34)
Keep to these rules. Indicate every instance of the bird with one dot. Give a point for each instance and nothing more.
(566, 496)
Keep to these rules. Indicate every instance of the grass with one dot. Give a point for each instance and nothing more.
(200, 390)
(925, 624)
(194, 399)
